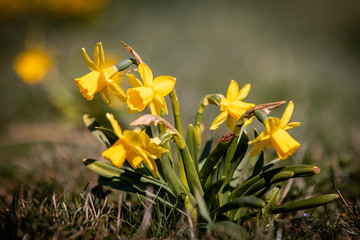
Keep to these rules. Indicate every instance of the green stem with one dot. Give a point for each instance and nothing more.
(176, 111)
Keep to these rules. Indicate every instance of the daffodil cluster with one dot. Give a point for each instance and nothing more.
(205, 179)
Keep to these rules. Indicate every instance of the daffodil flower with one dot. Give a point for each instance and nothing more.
(231, 107)
(151, 93)
(32, 65)
(134, 147)
(99, 79)
(276, 135)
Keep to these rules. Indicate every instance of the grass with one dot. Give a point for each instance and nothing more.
(54, 196)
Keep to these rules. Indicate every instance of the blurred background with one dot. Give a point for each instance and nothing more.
(307, 52)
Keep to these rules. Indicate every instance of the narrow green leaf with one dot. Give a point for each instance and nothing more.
(191, 144)
(105, 136)
(231, 229)
(214, 157)
(109, 171)
(307, 203)
(240, 202)
(211, 192)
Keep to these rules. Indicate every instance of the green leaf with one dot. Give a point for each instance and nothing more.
(210, 193)
(109, 171)
(191, 144)
(207, 148)
(104, 135)
(240, 202)
(231, 229)
(307, 203)
(214, 157)
(271, 199)
(259, 164)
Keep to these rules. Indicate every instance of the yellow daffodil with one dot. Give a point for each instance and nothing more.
(32, 65)
(231, 107)
(99, 79)
(133, 147)
(276, 135)
(151, 93)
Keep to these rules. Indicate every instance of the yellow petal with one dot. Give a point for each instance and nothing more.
(243, 92)
(232, 91)
(238, 108)
(231, 123)
(292, 125)
(133, 80)
(145, 74)
(264, 136)
(154, 110)
(99, 56)
(139, 97)
(219, 120)
(132, 138)
(287, 114)
(116, 154)
(134, 159)
(272, 124)
(115, 125)
(160, 103)
(257, 148)
(105, 95)
(284, 144)
(117, 91)
(88, 61)
(90, 84)
(150, 163)
(163, 85)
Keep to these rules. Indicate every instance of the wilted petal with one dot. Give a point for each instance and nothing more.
(163, 85)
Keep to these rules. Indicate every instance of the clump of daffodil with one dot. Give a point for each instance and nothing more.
(134, 147)
(276, 135)
(99, 79)
(32, 65)
(231, 107)
(151, 93)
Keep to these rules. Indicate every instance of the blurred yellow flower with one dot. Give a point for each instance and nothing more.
(276, 135)
(231, 107)
(32, 65)
(151, 93)
(99, 79)
(133, 147)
